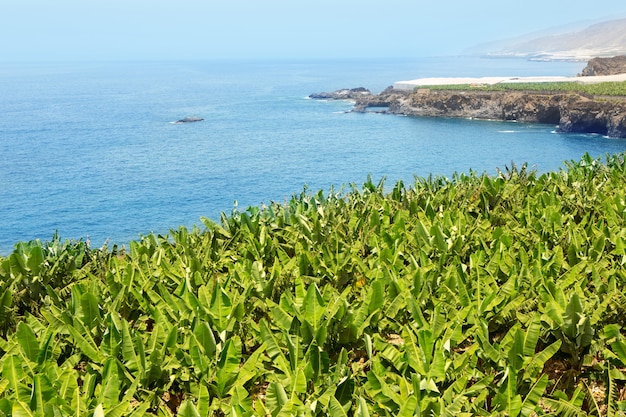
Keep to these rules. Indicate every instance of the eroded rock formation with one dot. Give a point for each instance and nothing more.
(344, 94)
(571, 112)
(605, 66)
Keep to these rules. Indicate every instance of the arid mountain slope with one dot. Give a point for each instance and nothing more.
(603, 39)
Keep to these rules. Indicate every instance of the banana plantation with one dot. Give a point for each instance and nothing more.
(606, 88)
(476, 295)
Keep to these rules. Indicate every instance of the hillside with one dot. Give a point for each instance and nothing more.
(602, 39)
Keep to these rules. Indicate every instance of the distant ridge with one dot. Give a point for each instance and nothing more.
(604, 39)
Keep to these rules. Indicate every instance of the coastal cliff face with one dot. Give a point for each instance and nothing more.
(605, 66)
(571, 112)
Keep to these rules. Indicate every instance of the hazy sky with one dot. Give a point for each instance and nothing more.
(44, 30)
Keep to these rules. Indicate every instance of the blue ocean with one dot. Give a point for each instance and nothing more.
(90, 150)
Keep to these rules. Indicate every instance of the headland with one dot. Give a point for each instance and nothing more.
(571, 109)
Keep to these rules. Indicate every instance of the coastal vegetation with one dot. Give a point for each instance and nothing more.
(597, 89)
(476, 295)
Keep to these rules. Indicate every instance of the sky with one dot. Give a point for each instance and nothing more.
(75, 30)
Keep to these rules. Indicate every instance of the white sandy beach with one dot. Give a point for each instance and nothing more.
(411, 84)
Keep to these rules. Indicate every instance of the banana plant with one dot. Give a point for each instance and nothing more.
(478, 295)
(569, 321)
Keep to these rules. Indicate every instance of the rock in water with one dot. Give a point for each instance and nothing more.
(344, 94)
(190, 119)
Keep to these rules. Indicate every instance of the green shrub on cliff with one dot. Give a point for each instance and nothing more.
(479, 295)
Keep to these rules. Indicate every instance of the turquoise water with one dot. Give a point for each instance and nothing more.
(89, 149)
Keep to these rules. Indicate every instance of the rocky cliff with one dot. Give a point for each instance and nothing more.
(605, 66)
(571, 112)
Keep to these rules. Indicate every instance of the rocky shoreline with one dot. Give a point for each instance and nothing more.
(570, 112)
